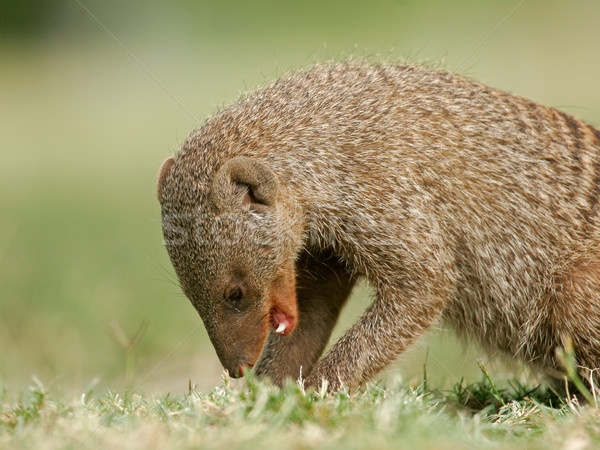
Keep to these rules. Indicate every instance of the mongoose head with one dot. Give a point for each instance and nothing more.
(228, 233)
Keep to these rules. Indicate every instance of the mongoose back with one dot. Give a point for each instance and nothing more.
(457, 202)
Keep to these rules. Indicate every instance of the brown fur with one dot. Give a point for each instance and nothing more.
(455, 201)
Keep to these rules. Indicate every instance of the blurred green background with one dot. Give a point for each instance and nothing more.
(95, 93)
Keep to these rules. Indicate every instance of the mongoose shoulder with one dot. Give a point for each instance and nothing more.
(456, 201)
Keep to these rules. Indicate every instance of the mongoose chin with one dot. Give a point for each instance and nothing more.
(455, 201)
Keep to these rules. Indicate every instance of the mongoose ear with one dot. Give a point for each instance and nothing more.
(163, 172)
(246, 181)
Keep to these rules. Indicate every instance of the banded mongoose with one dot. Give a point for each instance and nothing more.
(455, 201)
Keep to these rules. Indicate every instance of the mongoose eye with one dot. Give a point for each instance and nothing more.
(234, 295)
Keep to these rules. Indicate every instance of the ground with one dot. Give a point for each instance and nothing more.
(259, 415)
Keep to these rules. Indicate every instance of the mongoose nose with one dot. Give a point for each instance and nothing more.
(240, 370)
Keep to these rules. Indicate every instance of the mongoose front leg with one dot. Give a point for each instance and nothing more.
(393, 322)
(323, 286)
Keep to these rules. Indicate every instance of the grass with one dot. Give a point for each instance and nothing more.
(259, 415)
(256, 414)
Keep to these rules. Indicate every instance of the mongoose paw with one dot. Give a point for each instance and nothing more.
(323, 383)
